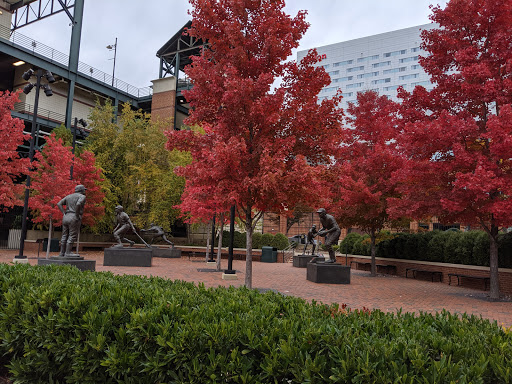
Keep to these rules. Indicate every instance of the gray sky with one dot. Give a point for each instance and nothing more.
(143, 27)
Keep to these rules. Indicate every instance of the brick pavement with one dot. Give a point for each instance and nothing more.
(385, 292)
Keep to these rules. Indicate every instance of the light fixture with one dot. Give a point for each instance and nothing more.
(47, 90)
(49, 77)
(83, 122)
(27, 88)
(27, 75)
(18, 63)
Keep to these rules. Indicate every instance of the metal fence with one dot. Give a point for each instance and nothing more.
(39, 49)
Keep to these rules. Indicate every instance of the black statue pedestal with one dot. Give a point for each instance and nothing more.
(170, 253)
(127, 257)
(77, 261)
(328, 273)
(301, 261)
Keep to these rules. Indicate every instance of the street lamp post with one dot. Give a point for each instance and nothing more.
(39, 74)
(113, 47)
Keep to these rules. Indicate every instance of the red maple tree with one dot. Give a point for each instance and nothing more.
(86, 173)
(261, 143)
(12, 166)
(50, 182)
(458, 136)
(364, 166)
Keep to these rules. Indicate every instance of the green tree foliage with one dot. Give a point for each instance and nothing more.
(61, 132)
(137, 167)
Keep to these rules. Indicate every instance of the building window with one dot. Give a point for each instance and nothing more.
(348, 94)
(326, 66)
(333, 73)
(382, 81)
(367, 75)
(423, 83)
(415, 66)
(394, 70)
(363, 59)
(355, 85)
(393, 87)
(407, 77)
(395, 53)
(415, 49)
(360, 68)
(341, 79)
(381, 64)
(341, 63)
(413, 58)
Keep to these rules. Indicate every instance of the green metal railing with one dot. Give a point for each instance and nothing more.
(52, 55)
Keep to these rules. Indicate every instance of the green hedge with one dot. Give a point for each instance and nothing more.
(471, 248)
(259, 240)
(60, 325)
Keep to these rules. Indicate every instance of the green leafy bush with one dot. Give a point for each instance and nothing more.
(347, 245)
(471, 248)
(280, 241)
(256, 240)
(60, 325)
(362, 246)
(239, 239)
(266, 240)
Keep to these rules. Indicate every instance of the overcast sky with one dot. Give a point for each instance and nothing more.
(143, 27)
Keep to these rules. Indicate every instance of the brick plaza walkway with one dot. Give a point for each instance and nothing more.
(385, 292)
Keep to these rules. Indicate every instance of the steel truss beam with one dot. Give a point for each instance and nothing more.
(25, 12)
(173, 62)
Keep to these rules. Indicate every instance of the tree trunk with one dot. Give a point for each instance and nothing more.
(208, 231)
(219, 248)
(49, 239)
(493, 262)
(373, 236)
(248, 254)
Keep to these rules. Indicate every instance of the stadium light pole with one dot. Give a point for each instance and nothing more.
(110, 48)
(39, 74)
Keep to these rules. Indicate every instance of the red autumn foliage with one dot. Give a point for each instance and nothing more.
(260, 144)
(458, 136)
(11, 165)
(86, 173)
(364, 166)
(50, 181)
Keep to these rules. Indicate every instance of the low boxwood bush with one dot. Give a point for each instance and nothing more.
(60, 325)
(471, 248)
(280, 241)
(347, 244)
(259, 240)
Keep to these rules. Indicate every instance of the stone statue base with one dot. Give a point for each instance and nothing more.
(170, 253)
(328, 273)
(127, 257)
(301, 261)
(79, 262)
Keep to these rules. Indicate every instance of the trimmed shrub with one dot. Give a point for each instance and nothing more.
(239, 239)
(362, 246)
(60, 325)
(505, 250)
(347, 245)
(266, 240)
(280, 241)
(256, 240)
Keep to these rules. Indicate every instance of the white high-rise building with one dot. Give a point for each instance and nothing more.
(380, 62)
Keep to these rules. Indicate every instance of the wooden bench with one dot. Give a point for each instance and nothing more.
(367, 266)
(460, 276)
(423, 271)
